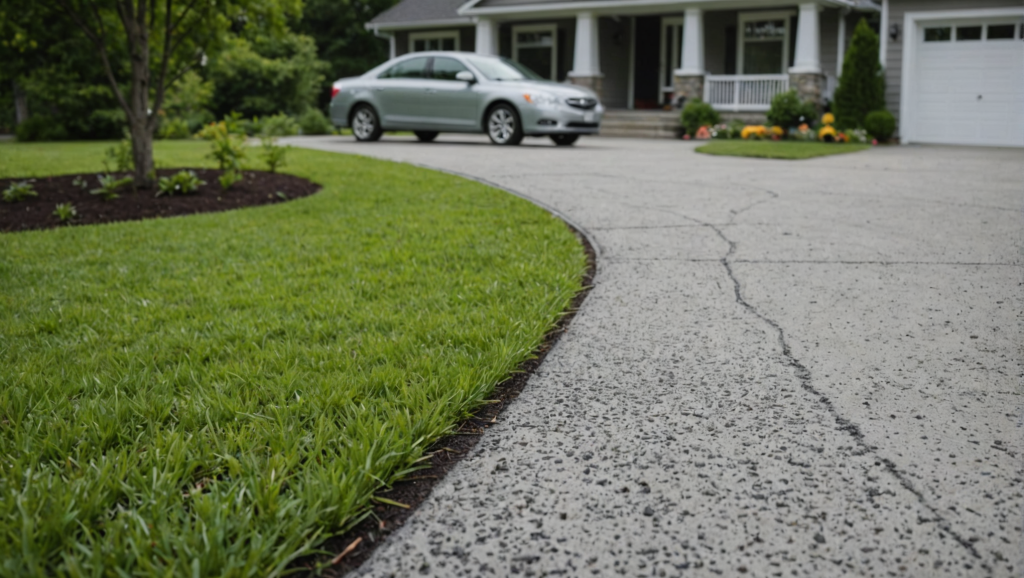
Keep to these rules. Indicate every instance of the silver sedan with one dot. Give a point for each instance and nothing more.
(433, 92)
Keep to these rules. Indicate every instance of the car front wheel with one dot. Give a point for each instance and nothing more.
(426, 135)
(503, 125)
(365, 124)
(564, 140)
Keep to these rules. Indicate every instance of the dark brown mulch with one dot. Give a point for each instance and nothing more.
(256, 188)
(444, 454)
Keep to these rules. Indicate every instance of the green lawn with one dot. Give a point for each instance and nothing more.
(214, 395)
(777, 149)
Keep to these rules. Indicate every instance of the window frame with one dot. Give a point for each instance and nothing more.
(433, 62)
(741, 38)
(553, 29)
(984, 23)
(426, 68)
(433, 35)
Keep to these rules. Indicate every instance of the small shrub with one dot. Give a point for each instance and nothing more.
(696, 114)
(119, 156)
(65, 212)
(109, 185)
(40, 128)
(19, 191)
(273, 154)
(880, 124)
(80, 182)
(212, 130)
(787, 111)
(862, 85)
(174, 128)
(228, 150)
(181, 183)
(229, 178)
(279, 125)
(858, 135)
(313, 121)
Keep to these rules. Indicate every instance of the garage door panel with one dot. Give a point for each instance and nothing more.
(950, 77)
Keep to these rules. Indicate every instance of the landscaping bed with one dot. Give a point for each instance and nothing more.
(777, 149)
(220, 394)
(255, 188)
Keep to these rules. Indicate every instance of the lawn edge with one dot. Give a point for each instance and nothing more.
(451, 449)
(860, 148)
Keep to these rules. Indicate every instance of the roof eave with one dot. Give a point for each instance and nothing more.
(410, 25)
(470, 8)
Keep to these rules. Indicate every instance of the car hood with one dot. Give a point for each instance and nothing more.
(555, 88)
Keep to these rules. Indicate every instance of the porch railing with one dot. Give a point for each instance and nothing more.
(744, 92)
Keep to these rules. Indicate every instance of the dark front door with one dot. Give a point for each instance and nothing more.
(648, 59)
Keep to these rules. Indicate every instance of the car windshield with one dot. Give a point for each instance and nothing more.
(502, 69)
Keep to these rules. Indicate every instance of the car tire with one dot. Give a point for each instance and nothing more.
(426, 135)
(564, 140)
(503, 125)
(366, 124)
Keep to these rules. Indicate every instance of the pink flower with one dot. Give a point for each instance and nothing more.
(686, 137)
(874, 141)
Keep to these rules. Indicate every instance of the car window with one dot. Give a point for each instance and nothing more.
(412, 68)
(502, 68)
(447, 68)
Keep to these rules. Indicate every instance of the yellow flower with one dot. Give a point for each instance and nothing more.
(828, 118)
(827, 133)
(749, 131)
(777, 131)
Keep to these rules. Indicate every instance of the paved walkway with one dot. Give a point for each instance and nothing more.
(785, 368)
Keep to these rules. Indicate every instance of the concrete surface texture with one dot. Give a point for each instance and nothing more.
(786, 368)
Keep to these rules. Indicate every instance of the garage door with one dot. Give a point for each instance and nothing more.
(970, 83)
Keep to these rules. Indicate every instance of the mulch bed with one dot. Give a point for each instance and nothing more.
(256, 188)
(342, 556)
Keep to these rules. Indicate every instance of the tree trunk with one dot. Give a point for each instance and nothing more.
(139, 122)
(20, 104)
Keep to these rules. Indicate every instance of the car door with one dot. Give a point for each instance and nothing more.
(451, 104)
(399, 92)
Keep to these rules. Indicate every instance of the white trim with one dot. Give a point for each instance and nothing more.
(911, 32)
(807, 57)
(623, 7)
(552, 28)
(486, 40)
(739, 92)
(691, 61)
(667, 23)
(883, 35)
(744, 17)
(630, 94)
(586, 57)
(435, 35)
(392, 50)
(841, 42)
(447, 23)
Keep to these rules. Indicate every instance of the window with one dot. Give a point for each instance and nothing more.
(763, 39)
(968, 33)
(536, 48)
(446, 68)
(940, 34)
(412, 68)
(420, 41)
(1002, 31)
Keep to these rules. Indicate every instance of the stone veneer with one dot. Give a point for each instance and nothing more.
(809, 87)
(595, 83)
(689, 87)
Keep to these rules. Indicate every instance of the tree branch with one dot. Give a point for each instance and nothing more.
(158, 100)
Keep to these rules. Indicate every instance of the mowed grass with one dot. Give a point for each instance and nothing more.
(778, 149)
(214, 395)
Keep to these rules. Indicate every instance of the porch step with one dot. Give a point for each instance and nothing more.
(640, 123)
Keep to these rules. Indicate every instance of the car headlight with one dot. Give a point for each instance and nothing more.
(541, 99)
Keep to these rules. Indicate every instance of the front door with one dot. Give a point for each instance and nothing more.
(671, 50)
(645, 62)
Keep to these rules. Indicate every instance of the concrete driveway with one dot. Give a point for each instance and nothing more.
(785, 368)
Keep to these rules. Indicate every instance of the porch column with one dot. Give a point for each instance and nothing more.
(486, 36)
(586, 61)
(689, 78)
(805, 75)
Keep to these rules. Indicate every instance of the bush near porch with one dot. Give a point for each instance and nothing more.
(214, 395)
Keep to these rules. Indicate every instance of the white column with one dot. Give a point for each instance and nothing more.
(883, 34)
(841, 46)
(586, 55)
(808, 41)
(391, 46)
(486, 36)
(692, 59)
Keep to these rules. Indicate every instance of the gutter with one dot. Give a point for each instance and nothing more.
(628, 6)
(412, 25)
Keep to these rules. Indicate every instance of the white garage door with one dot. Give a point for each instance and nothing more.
(970, 83)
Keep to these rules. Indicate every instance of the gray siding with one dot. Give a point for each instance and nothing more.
(894, 52)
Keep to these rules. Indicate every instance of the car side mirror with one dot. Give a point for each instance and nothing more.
(465, 76)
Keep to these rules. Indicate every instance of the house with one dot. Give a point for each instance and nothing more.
(954, 68)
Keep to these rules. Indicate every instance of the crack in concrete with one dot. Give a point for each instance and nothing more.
(804, 376)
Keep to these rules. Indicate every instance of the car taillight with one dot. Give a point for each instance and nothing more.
(335, 90)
